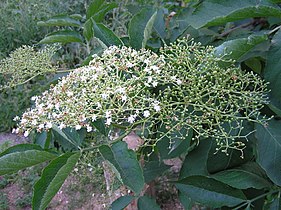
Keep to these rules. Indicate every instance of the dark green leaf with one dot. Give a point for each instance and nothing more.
(180, 142)
(272, 71)
(62, 37)
(126, 163)
(140, 27)
(88, 32)
(94, 7)
(241, 179)
(147, 203)
(159, 24)
(210, 192)
(195, 162)
(60, 21)
(101, 127)
(218, 161)
(269, 149)
(122, 202)
(69, 138)
(254, 64)
(276, 110)
(216, 12)
(106, 35)
(154, 169)
(99, 16)
(52, 178)
(22, 156)
(185, 201)
(236, 49)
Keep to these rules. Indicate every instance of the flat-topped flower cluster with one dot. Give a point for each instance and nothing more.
(183, 85)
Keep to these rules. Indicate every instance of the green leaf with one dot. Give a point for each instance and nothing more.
(69, 138)
(254, 64)
(99, 16)
(60, 21)
(210, 192)
(216, 12)
(126, 163)
(63, 37)
(269, 149)
(140, 27)
(237, 49)
(94, 7)
(159, 23)
(122, 202)
(185, 201)
(22, 156)
(101, 127)
(272, 71)
(88, 31)
(241, 179)
(106, 35)
(178, 146)
(147, 203)
(52, 178)
(276, 110)
(195, 163)
(154, 169)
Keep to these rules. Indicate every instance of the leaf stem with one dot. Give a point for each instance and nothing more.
(256, 198)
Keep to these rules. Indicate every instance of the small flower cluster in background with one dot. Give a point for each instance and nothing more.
(182, 86)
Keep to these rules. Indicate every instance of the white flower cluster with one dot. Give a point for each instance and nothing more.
(183, 87)
(114, 87)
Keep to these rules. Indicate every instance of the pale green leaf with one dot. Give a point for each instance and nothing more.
(62, 37)
(22, 156)
(60, 21)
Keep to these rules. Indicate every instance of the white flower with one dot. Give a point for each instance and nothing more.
(130, 65)
(108, 114)
(62, 125)
(23, 121)
(124, 98)
(154, 83)
(78, 127)
(146, 113)
(108, 121)
(76, 169)
(148, 70)
(131, 119)
(41, 126)
(69, 93)
(149, 79)
(49, 125)
(173, 77)
(89, 128)
(57, 106)
(94, 118)
(15, 130)
(34, 98)
(34, 122)
(156, 106)
(121, 90)
(26, 133)
(16, 118)
(104, 95)
(179, 82)
(98, 105)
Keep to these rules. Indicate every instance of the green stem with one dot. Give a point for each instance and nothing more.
(256, 198)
